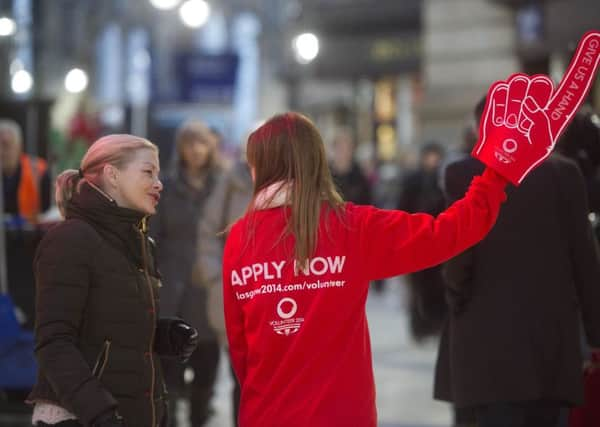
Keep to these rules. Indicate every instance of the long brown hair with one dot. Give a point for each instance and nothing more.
(288, 148)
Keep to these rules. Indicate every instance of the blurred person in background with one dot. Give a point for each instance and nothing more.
(192, 178)
(25, 179)
(98, 332)
(348, 177)
(421, 192)
(26, 196)
(227, 202)
(420, 189)
(222, 149)
(510, 352)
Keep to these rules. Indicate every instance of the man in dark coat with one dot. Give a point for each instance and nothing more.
(511, 346)
(421, 192)
(347, 175)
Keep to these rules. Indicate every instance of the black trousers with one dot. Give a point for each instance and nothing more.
(427, 303)
(537, 413)
(204, 362)
(235, 395)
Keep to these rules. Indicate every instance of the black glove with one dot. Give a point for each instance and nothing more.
(184, 339)
(175, 338)
(109, 419)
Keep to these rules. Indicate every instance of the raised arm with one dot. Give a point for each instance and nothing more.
(396, 242)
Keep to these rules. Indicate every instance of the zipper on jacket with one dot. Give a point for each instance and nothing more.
(102, 360)
(142, 229)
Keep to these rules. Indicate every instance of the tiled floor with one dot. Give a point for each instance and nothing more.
(403, 371)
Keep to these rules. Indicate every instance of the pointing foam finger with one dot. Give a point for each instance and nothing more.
(575, 84)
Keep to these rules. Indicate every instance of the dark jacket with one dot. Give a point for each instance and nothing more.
(174, 226)
(353, 185)
(96, 314)
(421, 192)
(527, 283)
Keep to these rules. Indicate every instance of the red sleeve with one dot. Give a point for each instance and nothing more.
(396, 242)
(234, 316)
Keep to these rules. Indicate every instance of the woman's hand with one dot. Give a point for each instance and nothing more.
(175, 338)
(184, 339)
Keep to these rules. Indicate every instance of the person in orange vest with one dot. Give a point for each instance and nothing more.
(25, 178)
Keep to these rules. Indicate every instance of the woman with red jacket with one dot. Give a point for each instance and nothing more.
(296, 272)
(297, 267)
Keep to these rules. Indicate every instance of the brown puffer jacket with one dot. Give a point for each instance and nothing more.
(96, 314)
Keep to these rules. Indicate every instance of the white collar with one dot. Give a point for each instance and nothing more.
(277, 194)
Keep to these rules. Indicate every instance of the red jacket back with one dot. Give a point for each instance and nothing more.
(298, 337)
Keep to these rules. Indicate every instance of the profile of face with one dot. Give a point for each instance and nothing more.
(10, 148)
(136, 186)
(195, 154)
(343, 152)
(431, 160)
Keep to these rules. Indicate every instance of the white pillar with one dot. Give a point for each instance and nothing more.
(405, 119)
(110, 88)
(246, 29)
(138, 80)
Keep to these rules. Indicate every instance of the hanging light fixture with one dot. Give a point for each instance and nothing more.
(194, 13)
(7, 26)
(306, 47)
(21, 82)
(76, 80)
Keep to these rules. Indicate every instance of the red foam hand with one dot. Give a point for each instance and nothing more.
(524, 116)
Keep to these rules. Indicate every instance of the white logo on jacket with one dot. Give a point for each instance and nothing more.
(286, 310)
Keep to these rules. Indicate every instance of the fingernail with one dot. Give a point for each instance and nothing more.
(512, 119)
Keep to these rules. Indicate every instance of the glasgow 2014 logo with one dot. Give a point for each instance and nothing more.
(287, 323)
